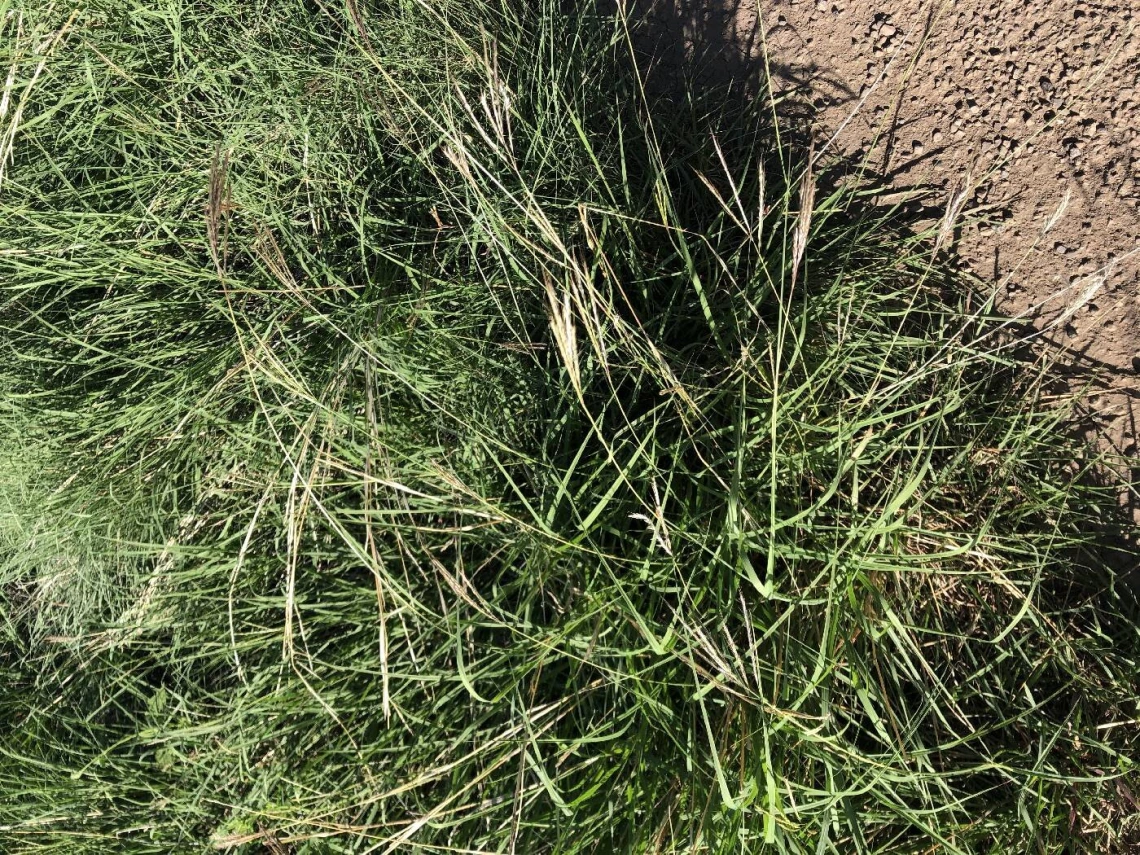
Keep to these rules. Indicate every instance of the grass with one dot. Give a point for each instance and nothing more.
(420, 437)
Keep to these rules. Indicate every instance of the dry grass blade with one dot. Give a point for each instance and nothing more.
(44, 49)
(564, 330)
(802, 229)
(1058, 213)
(218, 208)
(954, 208)
(358, 23)
(269, 251)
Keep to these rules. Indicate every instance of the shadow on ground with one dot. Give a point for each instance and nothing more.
(718, 47)
(717, 42)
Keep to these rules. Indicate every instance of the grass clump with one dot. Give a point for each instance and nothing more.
(421, 438)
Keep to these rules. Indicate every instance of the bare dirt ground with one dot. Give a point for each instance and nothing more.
(1025, 113)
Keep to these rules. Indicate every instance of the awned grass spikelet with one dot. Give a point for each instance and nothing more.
(423, 436)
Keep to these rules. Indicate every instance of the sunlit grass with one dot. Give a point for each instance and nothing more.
(422, 439)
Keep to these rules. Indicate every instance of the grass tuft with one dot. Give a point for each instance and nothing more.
(423, 438)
